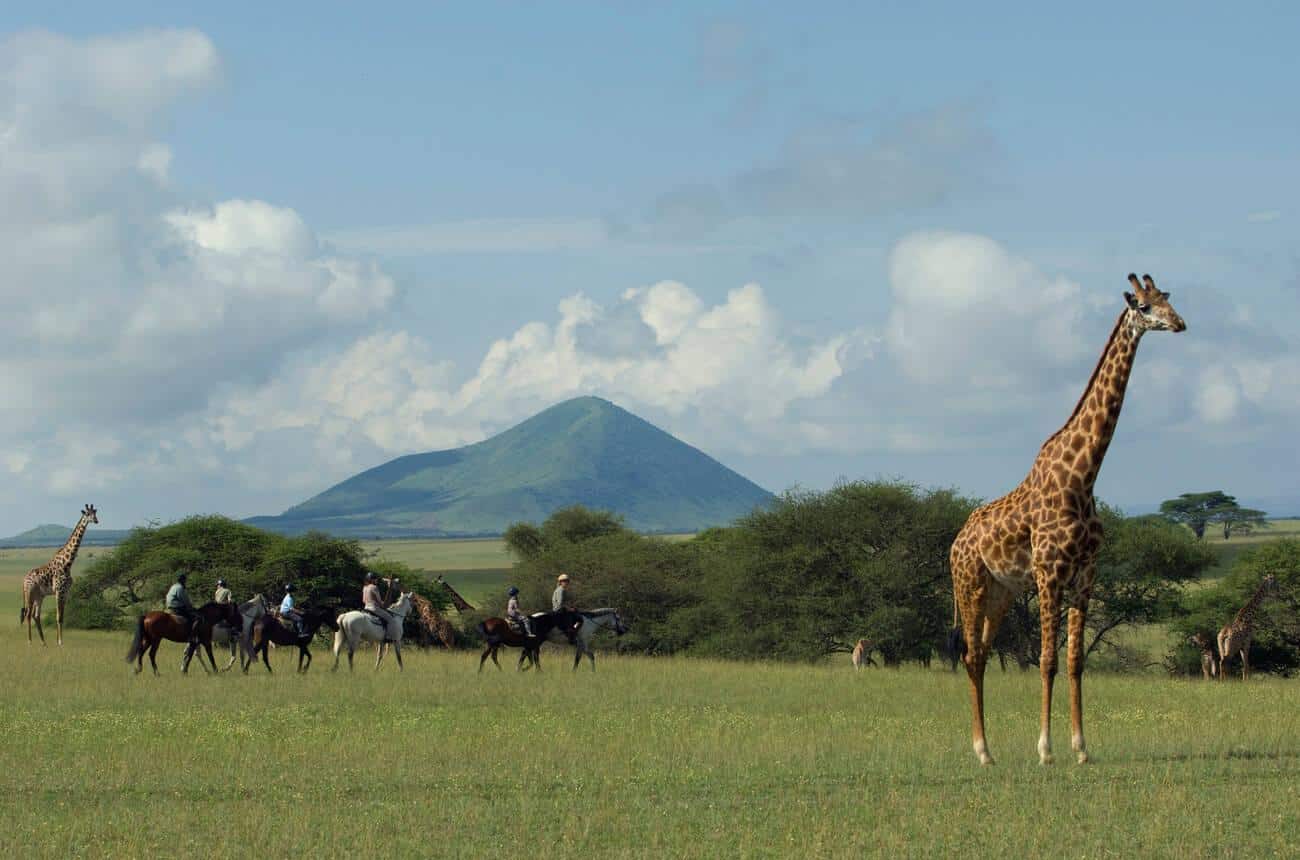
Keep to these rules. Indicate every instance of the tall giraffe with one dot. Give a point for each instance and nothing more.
(54, 577)
(1235, 638)
(1046, 531)
(457, 601)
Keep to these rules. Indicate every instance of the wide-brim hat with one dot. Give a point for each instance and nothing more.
(564, 577)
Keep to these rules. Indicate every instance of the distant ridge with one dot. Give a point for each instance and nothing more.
(584, 451)
(52, 534)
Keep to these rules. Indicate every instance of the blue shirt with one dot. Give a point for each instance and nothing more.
(286, 605)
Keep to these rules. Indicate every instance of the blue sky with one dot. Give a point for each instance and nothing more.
(485, 208)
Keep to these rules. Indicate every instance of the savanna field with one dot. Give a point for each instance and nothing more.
(646, 757)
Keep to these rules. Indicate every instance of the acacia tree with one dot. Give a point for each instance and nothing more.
(1195, 510)
(1240, 521)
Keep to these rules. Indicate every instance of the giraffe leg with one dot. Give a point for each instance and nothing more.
(1245, 662)
(1078, 614)
(40, 631)
(58, 614)
(978, 595)
(1049, 608)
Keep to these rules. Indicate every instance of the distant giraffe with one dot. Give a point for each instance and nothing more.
(1209, 660)
(461, 604)
(862, 654)
(53, 577)
(1045, 533)
(1235, 638)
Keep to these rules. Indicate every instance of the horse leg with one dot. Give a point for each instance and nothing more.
(207, 646)
(482, 658)
(397, 652)
(591, 655)
(379, 658)
(523, 652)
(266, 652)
(577, 655)
(307, 654)
(153, 650)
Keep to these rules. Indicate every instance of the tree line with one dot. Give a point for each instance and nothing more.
(809, 575)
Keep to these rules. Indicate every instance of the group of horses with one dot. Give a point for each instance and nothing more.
(249, 629)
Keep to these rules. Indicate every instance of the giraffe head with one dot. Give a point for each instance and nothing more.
(1149, 308)
(1268, 583)
(90, 514)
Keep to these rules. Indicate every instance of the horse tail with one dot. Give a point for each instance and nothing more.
(137, 642)
(338, 638)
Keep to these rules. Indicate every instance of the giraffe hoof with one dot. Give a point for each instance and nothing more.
(1083, 757)
(1046, 759)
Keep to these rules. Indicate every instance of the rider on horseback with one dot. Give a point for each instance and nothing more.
(373, 603)
(288, 613)
(514, 616)
(223, 594)
(178, 603)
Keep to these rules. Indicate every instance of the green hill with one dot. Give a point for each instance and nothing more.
(52, 534)
(585, 451)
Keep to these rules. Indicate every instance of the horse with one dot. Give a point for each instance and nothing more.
(357, 625)
(594, 620)
(224, 634)
(498, 631)
(270, 629)
(154, 627)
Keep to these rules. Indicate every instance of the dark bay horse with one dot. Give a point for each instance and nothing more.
(154, 627)
(270, 629)
(498, 631)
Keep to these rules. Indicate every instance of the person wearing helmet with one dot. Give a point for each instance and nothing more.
(178, 603)
(288, 613)
(223, 594)
(514, 615)
(562, 597)
(372, 602)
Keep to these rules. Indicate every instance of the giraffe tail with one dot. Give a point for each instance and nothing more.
(22, 615)
(136, 646)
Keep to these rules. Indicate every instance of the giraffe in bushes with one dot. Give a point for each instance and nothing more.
(1235, 638)
(1046, 533)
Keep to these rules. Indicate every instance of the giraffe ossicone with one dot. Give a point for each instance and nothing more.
(1046, 531)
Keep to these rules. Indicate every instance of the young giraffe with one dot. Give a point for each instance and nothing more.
(1235, 638)
(1209, 660)
(1046, 531)
(53, 577)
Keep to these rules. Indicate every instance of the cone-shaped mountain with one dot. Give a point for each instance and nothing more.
(584, 451)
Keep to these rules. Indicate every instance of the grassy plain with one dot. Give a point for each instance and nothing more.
(645, 758)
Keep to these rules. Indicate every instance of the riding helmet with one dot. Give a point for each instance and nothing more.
(513, 591)
(370, 575)
(221, 583)
(288, 586)
(182, 576)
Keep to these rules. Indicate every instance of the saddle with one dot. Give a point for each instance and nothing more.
(377, 621)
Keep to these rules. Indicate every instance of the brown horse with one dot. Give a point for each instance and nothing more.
(270, 629)
(154, 627)
(497, 632)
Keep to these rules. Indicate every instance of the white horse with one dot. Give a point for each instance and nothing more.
(357, 625)
(250, 610)
(593, 621)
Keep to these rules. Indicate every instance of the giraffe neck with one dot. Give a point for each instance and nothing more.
(63, 558)
(456, 600)
(1246, 616)
(1081, 444)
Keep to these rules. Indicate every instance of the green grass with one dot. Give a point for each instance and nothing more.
(647, 757)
